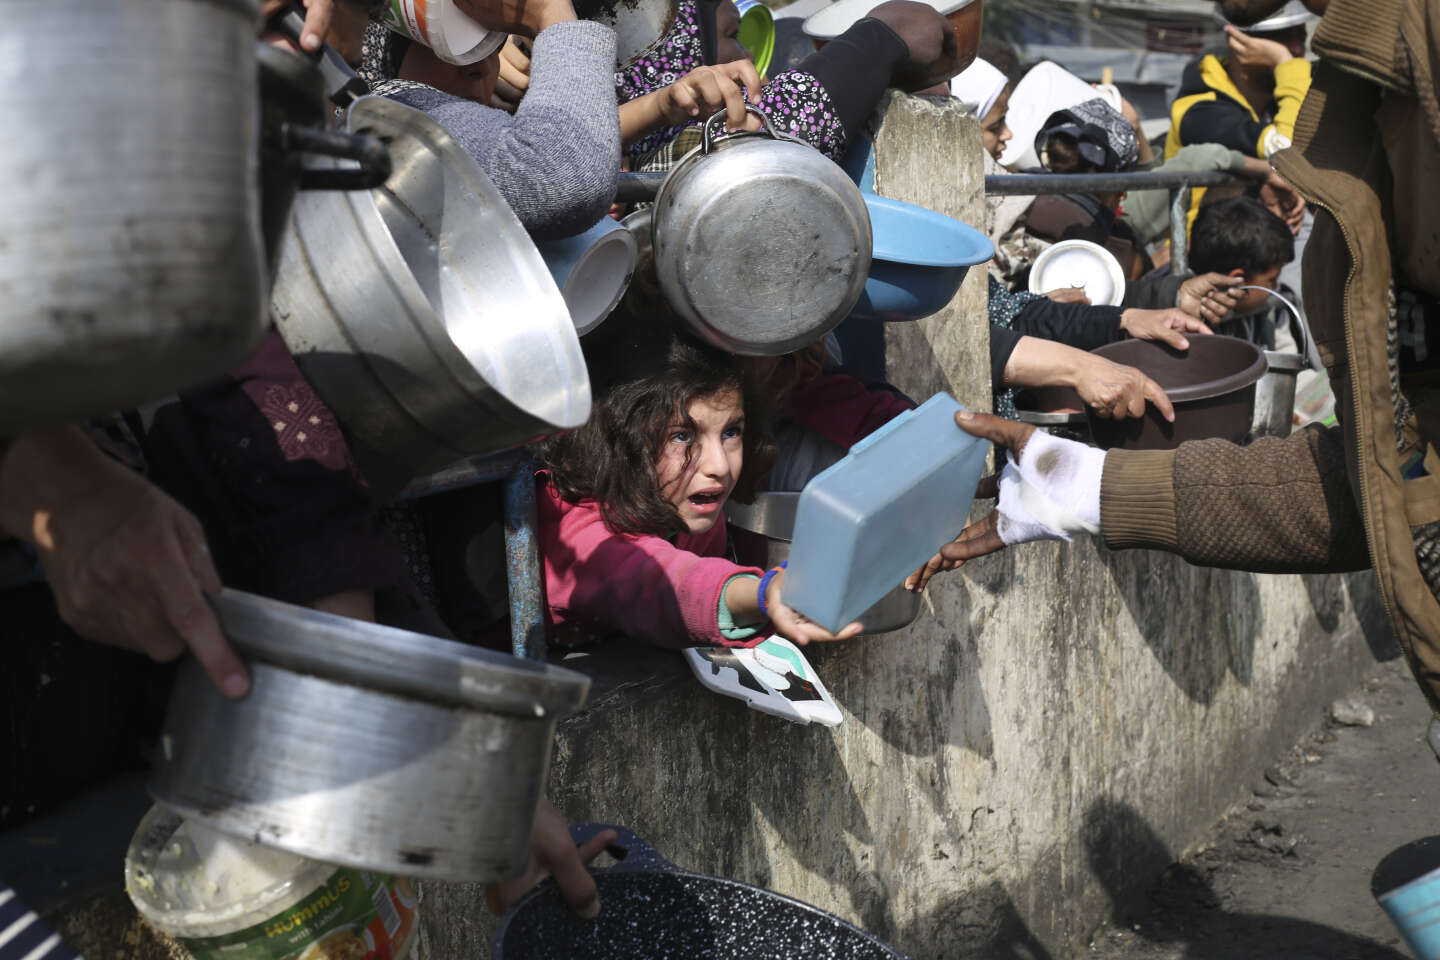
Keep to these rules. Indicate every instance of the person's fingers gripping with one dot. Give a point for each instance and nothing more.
(732, 99)
(1157, 396)
(979, 539)
(317, 23)
(744, 73)
(1010, 434)
(1193, 324)
(685, 97)
(188, 617)
(1169, 334)
(567, 865)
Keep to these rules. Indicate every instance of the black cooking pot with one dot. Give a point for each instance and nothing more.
(297, 92)
(650, 908)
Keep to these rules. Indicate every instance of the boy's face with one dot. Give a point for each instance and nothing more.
(727, 34)
(1252, 301)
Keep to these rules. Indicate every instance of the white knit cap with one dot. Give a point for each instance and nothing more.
(978, 87)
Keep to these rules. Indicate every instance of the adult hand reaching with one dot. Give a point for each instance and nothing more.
(1048, 490)
(1210, 296)
(553, 853)
(1168, 326)
(1069, 295)
(933, 51)
(128, 565)
(1115, 391)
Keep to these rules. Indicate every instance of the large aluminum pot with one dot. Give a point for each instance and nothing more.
(131, 262)
(772, 515)
(364, 745)
(761, 244)
(421, 312)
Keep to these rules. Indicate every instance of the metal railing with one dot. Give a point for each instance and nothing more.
(642, 187)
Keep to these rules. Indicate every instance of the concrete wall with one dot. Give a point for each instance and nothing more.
(1023, 760)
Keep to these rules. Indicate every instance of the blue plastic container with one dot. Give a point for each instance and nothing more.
(877, 516)
(918, 260)
(1407, 885)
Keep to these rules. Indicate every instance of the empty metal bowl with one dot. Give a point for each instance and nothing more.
(365, 746)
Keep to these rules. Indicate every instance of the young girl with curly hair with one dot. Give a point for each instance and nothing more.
(632, 528)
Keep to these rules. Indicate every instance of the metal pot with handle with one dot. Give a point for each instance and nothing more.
(131, 263)
(421, 312)
(761, 244)
(1275, 393)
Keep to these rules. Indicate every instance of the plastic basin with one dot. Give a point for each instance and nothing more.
(1212, 386)
(918, 260)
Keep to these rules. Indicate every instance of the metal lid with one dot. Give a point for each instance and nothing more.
(399, 661)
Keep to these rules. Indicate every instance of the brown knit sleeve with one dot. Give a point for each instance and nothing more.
(1275, 506)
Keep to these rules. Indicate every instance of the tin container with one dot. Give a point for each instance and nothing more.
(364, 745)
(229, 898)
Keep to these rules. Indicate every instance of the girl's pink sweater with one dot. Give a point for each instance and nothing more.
(598, 583)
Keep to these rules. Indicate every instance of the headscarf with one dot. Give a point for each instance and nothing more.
(1103, 135)
(381, 54)
(978, 86)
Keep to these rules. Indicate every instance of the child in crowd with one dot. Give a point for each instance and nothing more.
(1235, 241)
(632, 529)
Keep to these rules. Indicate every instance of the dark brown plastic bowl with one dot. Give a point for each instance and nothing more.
(1212, 386)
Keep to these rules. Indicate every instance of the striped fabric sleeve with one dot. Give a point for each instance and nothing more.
(24, 936)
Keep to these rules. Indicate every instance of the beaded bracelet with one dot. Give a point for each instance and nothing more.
(765, 585)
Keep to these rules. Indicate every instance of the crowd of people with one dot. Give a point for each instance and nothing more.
(118, 528)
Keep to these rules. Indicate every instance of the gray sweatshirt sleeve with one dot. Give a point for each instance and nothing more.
(557, 160)
(1148, 211)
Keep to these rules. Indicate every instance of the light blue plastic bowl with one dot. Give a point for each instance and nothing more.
(918, 261)
(592, 270)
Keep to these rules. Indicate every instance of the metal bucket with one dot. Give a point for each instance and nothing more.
(422, 313)
(772, 515)
(365, 746)
(1275, 393)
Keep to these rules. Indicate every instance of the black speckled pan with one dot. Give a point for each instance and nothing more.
(651, 909)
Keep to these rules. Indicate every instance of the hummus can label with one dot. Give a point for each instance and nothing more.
(354, 916)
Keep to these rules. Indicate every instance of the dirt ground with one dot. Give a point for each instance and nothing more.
(1287, 872)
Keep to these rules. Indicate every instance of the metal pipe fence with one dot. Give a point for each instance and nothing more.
(642, 188)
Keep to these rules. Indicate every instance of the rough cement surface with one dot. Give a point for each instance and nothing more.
(1286, 873)
(1049, 702)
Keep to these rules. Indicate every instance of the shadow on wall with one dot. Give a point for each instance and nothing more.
(1199, 622)
(984, 924)
(1173, 904)
(1328, 593)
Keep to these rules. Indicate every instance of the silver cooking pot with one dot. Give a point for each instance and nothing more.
(761, 244)
(131, 264)
(1275, 393)
(421, 312)
(772, 515)
(364, 745)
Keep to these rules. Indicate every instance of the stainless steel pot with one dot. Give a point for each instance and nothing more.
(1275, 392)
(421, 312)
(761, 244)
(131, 264)
(365, 746)
(772, 515)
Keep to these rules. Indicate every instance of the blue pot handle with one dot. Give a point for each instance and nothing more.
(638, 855)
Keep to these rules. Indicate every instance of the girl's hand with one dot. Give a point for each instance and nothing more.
(1252, 51)
(704, 90)
(1210, 297)
(1168, 326)
(795, 626)
(514, 78)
